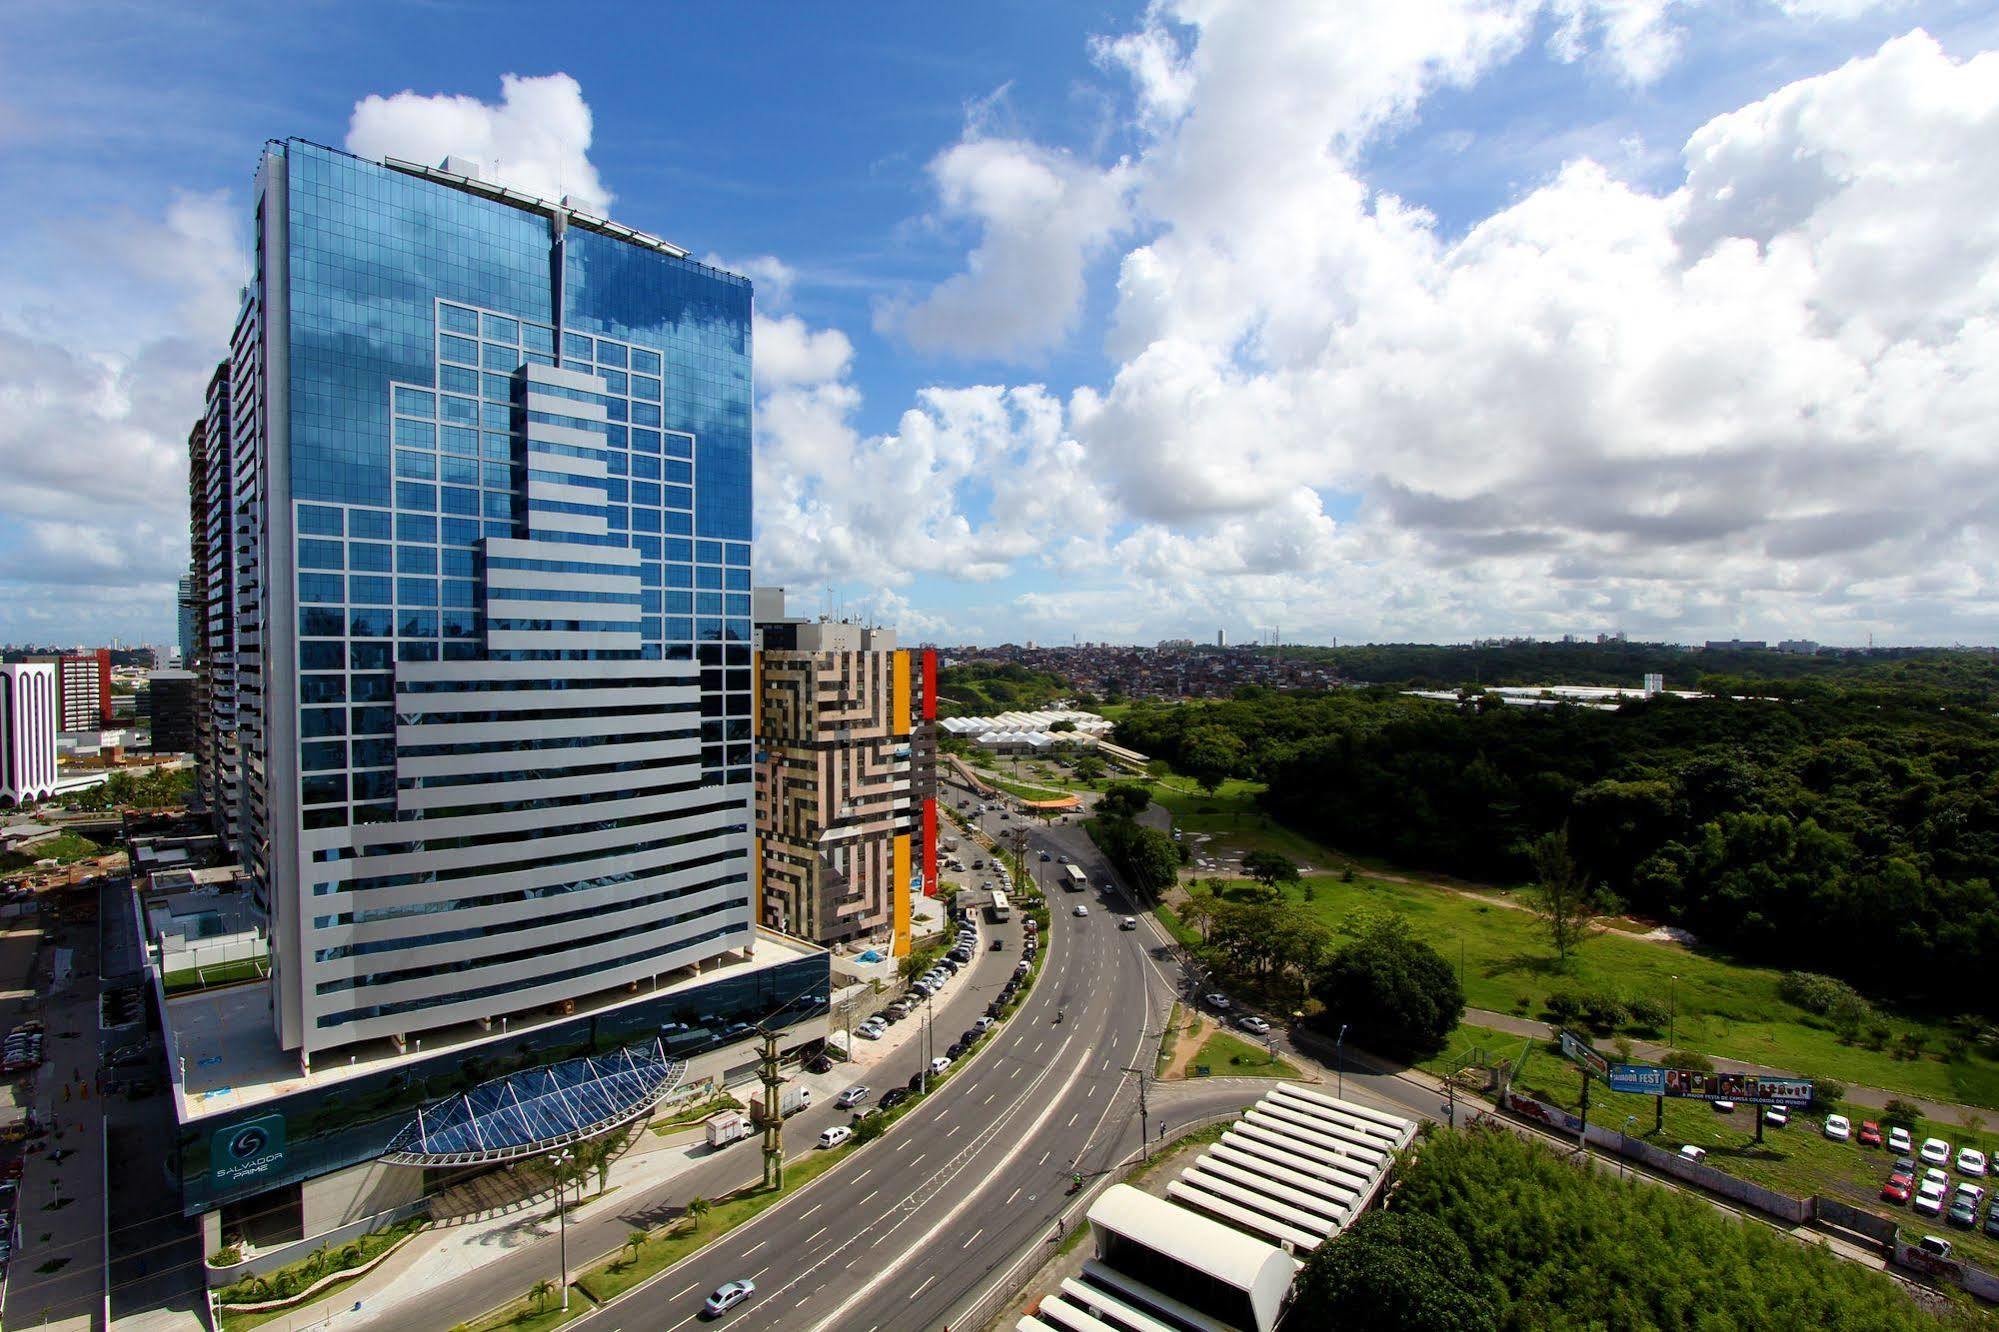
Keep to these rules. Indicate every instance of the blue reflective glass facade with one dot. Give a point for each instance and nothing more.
(512, 450)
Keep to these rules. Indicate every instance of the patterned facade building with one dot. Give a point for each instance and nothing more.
(846, 782)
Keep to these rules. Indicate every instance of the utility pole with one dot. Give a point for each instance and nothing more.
(561, 1162)
(1144, 1111)
(773, 1115)
(923, 1073)
(1582, 1127)
(1340, 1060)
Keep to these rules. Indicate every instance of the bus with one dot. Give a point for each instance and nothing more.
(1074, 879)
(999, 910)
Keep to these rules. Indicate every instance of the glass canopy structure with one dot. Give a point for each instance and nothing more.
(539, 1109)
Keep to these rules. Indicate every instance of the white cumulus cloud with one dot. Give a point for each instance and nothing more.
(536, 138)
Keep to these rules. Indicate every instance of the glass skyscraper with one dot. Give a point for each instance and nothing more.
(492, 682)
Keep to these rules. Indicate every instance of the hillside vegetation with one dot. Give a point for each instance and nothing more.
(1845, 829)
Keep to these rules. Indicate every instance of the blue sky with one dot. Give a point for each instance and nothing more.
(1116, 323)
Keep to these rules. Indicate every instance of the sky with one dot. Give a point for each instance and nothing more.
(1397, 321)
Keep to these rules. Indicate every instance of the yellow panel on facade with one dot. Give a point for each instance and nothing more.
(901, 714)
(901, 891)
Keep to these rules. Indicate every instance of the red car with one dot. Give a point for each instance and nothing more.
(1870, 1133)
(1896, 1190)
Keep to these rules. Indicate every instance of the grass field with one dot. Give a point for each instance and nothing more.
(1226, 1055)
(1797, 1159)
(220, 974)
(64, 848)
(1722, 1008)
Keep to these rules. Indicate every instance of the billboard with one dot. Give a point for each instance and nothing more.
(1580, 1050)
(1749, 1088)
(247, 1150)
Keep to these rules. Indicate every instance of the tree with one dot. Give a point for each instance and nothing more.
(1124, 800)
(635, 1242)
(1198, 913)
(1562, 896)
(1397, 994)
(1396, 1270)
(1269, 868)
(1211, 755)
(698, 1206)
(1064, 725)
(540, 1292)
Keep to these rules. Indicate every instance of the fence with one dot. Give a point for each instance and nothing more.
(1794, 1211)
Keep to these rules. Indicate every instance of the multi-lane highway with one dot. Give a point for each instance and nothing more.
(911, 1227)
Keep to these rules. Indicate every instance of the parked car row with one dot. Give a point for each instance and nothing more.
(22, 1049)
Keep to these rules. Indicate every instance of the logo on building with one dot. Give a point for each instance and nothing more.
(244, 1151)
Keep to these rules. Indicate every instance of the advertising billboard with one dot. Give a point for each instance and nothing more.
(1748, 1088)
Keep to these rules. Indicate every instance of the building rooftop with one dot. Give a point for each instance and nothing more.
(224, 1056)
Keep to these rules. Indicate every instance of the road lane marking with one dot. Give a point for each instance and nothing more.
(754, 1247)
(815, 1234)
(869, 1194)
(922, 1242)
(975, 1234)
(919, 1290)
(1073, 1118)
(682, 1291)
(1008, 1203)
(810, 1210)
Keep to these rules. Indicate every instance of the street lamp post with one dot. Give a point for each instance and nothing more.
(1673, 1014)
(1340, 1059)
(561, 1161)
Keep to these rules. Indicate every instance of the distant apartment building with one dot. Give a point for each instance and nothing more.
(1735, 645)
(846, 778)
(83, 689)
(172, 699)
(185, 606)
(28, 714)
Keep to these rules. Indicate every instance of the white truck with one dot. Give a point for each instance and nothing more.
(727, 1127)
(791, 1098)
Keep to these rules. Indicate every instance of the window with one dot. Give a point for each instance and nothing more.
(458, 319)
(463, 350)
(645, 362)
(316, 520)
(457, 379)
(610, 353)
(415, 402)
(499, 328)
(576, 347)
(319, 554)
(321, 588)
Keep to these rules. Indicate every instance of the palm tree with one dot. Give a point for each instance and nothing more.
(697, 1207)
(635, 1240)
(540, 1292)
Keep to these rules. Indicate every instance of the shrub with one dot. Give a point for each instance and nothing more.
(1899, 1111)
(1563, 1007)
(1813, 992)
(1692, 1060)
(1603, 1011)
(1647, 1015)
(1910, 1045)
(1827, 1093)
(227, 1256)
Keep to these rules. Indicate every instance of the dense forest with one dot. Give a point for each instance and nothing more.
(1487, 1230)
(1964, 675)
(979, 688)
(1851, 829)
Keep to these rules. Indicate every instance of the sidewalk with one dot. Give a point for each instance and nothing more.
(1874, 1098)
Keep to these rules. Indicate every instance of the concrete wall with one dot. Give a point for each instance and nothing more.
(356, 1194)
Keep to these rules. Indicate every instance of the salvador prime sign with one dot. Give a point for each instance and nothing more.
(244, 1151)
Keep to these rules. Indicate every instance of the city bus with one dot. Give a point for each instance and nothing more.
(1000, 909)
(1074, 879)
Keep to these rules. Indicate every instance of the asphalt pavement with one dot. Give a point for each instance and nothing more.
(911, 1229)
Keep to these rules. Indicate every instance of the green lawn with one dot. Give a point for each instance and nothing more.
(1226, 1055)
(64, 848)
(1797, 1159)
(1723, 1008)
(221, 974)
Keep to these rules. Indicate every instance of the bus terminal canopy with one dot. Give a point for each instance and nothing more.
(538, 1109)
(1058, 806)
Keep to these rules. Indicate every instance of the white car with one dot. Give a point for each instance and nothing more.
(1082, 910)
(1253, 1024)
(1937, 1175)
(939, 1064)
(1776, 1116)
(836, 1135)
(1936, 1151)
(727, 1296)
(870, 1031)
(1838, 1128)
(851, 1097)
(1722, 1107)
(1929, 1198)
(1971, 1161)
(1899, 1141)
(1693, 1153)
